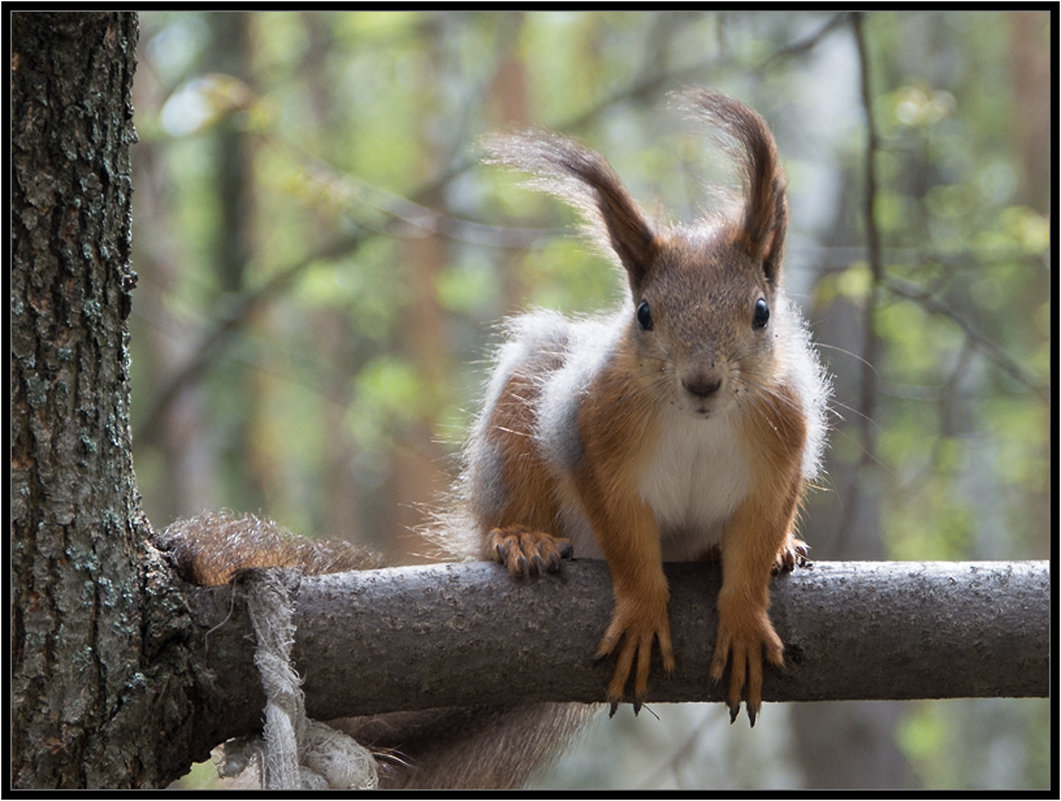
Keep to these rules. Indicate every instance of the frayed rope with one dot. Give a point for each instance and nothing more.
(294, 752)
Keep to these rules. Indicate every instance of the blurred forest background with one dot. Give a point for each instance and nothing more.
(323, 260)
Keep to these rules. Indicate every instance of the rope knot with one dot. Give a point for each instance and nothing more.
(294, 752)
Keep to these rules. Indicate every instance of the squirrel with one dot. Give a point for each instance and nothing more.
(685, 425)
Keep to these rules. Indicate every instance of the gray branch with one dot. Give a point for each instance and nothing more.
(460, 634)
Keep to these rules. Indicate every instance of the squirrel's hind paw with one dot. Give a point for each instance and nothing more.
(792, 554)
(525, 551)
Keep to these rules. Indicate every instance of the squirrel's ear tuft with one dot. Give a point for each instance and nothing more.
(765, 216)
(576, 174)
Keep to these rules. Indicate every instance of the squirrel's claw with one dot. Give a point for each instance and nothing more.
(637, 633)
(734, 713)
(613, 707)
(792, 554)
(740, 644)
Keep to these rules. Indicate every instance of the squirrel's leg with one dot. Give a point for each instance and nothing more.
(632, 550)
(750, 550)
(526, 551)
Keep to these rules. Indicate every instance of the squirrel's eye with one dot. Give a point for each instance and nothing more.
(762, 314)
(644, 316)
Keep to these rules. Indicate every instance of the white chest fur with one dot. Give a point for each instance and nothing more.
(694, 482)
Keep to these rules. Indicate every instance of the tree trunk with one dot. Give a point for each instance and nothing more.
(89, 695)
(863, 730)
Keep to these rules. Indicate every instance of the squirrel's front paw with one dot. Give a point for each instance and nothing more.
(527, 552)
(741, 641)
(637, 626)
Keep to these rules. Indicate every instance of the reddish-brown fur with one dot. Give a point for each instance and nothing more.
(706, 286)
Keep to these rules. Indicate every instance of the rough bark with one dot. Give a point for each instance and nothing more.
(92, 681)
(444, 635)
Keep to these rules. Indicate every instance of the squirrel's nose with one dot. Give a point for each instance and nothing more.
(702, 385)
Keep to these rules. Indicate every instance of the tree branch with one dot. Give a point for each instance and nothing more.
(461, 634)
(871, 344)
(990, 349)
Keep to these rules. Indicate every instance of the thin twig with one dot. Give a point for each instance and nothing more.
(229, 318)
(990, 349)
(806, 44)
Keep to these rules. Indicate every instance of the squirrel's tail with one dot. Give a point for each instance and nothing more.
(460, 747)
(478, 747)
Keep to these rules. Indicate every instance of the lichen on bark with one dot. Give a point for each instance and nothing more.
(80, 553)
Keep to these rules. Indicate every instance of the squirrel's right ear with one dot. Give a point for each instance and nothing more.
(765, 216)
(576, 174)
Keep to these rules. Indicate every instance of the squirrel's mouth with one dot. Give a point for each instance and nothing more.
(703, 410)
(707, 408)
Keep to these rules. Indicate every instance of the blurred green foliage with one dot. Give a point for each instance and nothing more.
(323, 262)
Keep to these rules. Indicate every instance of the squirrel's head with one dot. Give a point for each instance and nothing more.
(704, 298)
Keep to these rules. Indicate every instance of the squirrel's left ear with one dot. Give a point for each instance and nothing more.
(586, 181)
(765, 216)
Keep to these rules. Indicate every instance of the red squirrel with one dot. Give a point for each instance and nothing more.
(683, 426)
